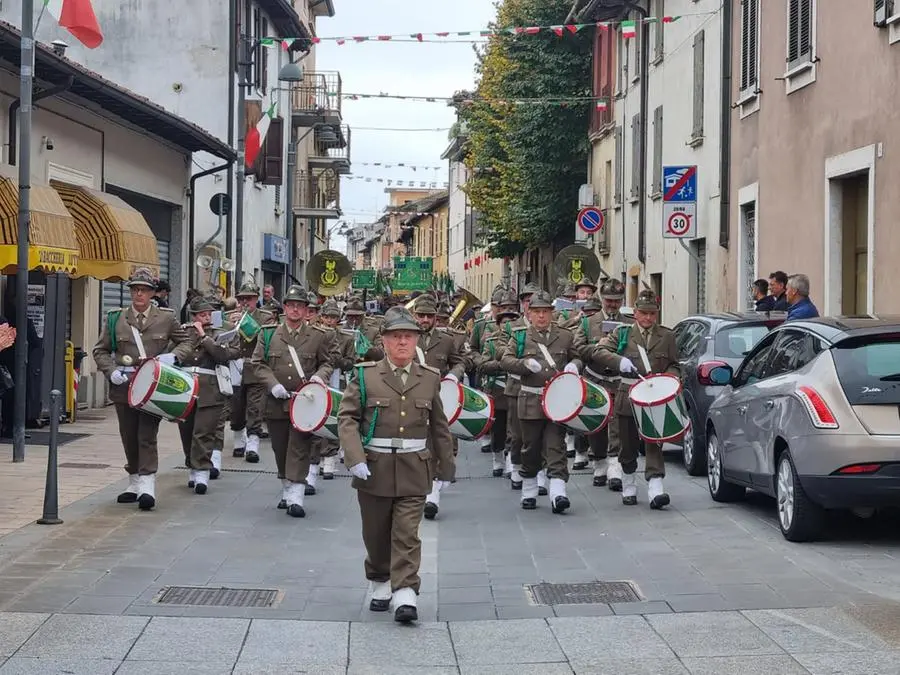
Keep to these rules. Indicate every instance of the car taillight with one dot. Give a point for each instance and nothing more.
(703, 371)
(819, 412)
(856, 469)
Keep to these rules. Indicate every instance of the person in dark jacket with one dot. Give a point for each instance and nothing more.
(764, 301)
(797, 292)
(8, 359)
(777, 287)
(161, 298)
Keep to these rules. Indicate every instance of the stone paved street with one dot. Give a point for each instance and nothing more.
(721, 591)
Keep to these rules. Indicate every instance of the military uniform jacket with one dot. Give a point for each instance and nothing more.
(317, 353)
(161, 327)
(586, 341)
(493, 376)
(262, 317)
(661, 353)
(561, 346)
(566, 318)
(502, 337)
(346, 347)
(410, 411)
(371, 329)
(206, 354)
(443, 352)
(481, 331)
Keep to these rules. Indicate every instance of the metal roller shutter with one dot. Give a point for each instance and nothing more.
(115, 294)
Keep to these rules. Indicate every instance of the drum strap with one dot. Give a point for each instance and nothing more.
(296, 360)
(645, 359)
(361, 378)
(138, 340)
(547, 357)
(421, 355)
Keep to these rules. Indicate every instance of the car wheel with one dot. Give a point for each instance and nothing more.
(798, 517)
(693, 450)
(719, 489)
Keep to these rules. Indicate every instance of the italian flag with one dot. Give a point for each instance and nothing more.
(77, 17)
(257, 136)
(629, 30)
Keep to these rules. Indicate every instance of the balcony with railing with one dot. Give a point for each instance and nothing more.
(317, 194)
(331, 148)
(317, 99)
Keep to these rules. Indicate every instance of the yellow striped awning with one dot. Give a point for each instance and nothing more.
(52, 246)
(114, 239)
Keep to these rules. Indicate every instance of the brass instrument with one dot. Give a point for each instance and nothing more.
(574, 262)
(467, 300)
(329, 273)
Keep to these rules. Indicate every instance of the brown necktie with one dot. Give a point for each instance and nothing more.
(140, 321)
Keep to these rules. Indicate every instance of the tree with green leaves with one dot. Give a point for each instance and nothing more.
(528, 159)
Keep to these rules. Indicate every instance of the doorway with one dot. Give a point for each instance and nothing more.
(853, 191)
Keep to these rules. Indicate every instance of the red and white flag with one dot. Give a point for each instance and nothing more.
(77, 17)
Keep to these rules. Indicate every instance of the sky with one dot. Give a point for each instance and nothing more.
(403, 68)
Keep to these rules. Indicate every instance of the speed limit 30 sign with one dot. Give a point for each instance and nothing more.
(680, 223)
(679, 202)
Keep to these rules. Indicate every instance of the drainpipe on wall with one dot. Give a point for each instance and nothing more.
(232, 64)
(725, 135)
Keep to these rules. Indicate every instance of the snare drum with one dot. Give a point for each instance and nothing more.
(314, 410)
(576, 403)
(659, 410)
(469, 412)
(164, 391)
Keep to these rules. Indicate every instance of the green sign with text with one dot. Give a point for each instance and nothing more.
(364, 279)
(412, 274)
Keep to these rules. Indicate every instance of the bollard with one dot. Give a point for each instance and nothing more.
(51, 496)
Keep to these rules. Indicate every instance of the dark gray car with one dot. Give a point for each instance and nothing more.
(705, 342)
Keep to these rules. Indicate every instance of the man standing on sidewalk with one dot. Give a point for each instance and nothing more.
(391, 423)
(128, 337)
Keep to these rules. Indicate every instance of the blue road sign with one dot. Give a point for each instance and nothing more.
(590, 220)
(679, 183)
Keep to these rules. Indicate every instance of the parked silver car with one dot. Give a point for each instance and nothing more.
(705, 342)
(811, 417)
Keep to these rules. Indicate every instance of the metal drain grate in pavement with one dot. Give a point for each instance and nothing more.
(595, 592)
(217, 597)
(82, 465)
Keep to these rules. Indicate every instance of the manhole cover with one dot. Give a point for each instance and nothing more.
(82, 465)
(595, 592)
(217, 597)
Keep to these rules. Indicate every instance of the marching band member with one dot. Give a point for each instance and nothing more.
(391, 425)
(208, 360)
(576, 444)
(367, 330)
(128, 337)
(604, 444)
(287, 356)
(249, 395)
(494, 378)
(641, 348)
(536, 353)
(484, 326)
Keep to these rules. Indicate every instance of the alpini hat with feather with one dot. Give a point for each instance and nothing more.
(142, 276)
(399, 318)
(296, 293)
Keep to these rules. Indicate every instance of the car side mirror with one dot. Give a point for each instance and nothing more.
(721, 375)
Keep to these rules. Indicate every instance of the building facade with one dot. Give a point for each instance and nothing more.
(815, 100)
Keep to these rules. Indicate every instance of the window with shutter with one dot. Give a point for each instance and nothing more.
(656, 183)
(659, 33)
(749, 46)
(639, 27)
(800, 13)
(699, 49)
(635, 156)
(272, 156)
(619, 177)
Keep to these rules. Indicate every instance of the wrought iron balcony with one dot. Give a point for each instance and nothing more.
(332, 149)
(317, 194)
(317, 99)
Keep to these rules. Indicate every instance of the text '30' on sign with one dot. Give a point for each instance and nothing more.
(679, 202)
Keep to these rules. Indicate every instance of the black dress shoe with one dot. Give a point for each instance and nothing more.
(542, 491)
(296, 511)
(127, 498)
(251, 457)
(431, 510)
(497, 473)
(659, 501)
(146, 502)
(529, 503)
(629, 501)
(615, 484)
(214, 474)
(406, 614)
(515, 485)
(191, 484)
(486, 448)
(200, 488)
(237, 452)
(309, 490)
(327, 476)
(570, 454)
(600, 481)
(379, 605)
(263, 434)
(282, 504)
(579, 466)
(560, 504)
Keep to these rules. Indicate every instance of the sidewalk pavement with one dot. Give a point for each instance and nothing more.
(99, 453)
(786, 642)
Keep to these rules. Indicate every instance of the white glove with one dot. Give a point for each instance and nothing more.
(168, 359)
(360, 471)
(317, 380)
(533, 365)
(451, 376)
(626, 366)
(278, 391)
(571, 368)
(239, 365)
(441, 485)
(117, 377)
